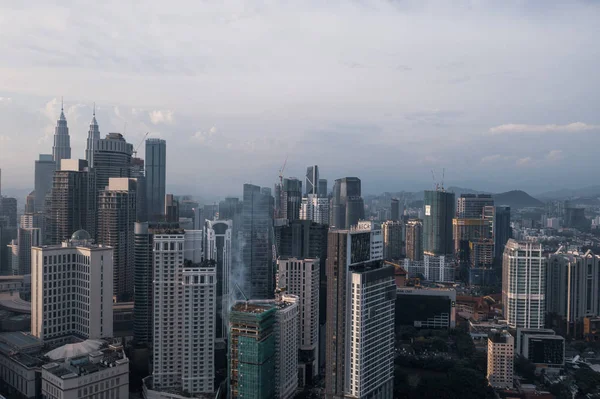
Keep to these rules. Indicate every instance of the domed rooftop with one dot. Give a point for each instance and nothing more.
(81, 235)
(74, 350)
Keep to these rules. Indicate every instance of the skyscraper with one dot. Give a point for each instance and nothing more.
(286, 346)
(62, 143)
(28, 238)
(184, 315)
(142, 304)
(92, 139)
(116, 220)
(44, 172)
(137, 172)
(112, 158)
(252, 350)
(523, 284)
(8, 209)
(291, 199)
(171, 211)
(572, 282)
(257, 274)
(73, 202)
(156, 167)
(301, 277)
(395, 209)
(347, 204)
(81, 304)
(502, 230)
(471, 205)
(315, 208)
(437, 222)
(218, 247)
(312, 180)
(414, 240)
(393, 245)
(30, 203)
(361, 303)
(322, 192)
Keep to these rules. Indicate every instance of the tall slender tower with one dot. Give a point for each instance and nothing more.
(156, 158)
(62, 143)
(92, 139)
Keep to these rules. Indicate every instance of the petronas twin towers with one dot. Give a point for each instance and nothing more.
(62, 142)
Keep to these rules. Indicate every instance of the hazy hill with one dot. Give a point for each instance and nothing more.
(590, 191)
(516, 199)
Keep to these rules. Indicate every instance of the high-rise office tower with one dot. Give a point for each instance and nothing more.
(30, 203)
(156, 168)
(572, 289)
(72, 202)
(12, 268)
(8, 209)
(116, 220)
(301, 277)
(502, 230)
(322, 191)
(137, 172)
(312, 180)
(92, 139)
(414, 240)
(501, 349)
(44, 172)
(171, 211)
(62, 143)
(112, 158)
(395, 209)
(361, 302)
(393, 245)
(218, 247)
(28, 238)
(142, 299)
(184, 314)
(72, 289)
(347, 204)
(465, 230)
(315, 208)
(471, 205)
(291, 199)
(437, 222)
(252, 350)
(523, 284)
(257, 248)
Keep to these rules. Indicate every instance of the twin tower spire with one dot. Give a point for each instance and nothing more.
(61, 148)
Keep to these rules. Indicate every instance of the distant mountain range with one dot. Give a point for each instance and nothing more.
(585, 192)
(516, 199)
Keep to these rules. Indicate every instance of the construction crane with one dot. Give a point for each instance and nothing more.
(281, 171)
(138, 146)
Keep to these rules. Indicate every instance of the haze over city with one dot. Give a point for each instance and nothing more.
(502, 96)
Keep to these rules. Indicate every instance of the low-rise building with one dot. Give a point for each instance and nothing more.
(423, 307)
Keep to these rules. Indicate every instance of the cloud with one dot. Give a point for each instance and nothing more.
(520, 128)
(555, 155)
(157, 117)
(527, 161)
(497, 158)
(4, 138)
(202, 137)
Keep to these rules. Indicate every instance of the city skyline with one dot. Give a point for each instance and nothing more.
(444, 98)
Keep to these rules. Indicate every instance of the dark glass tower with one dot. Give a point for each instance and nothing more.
(395, 209)
(142, 305)
(502, 231)
(437, 223)
(348, 206)
(256, 271)
(312, 180)
(156, 168)
(292, 199)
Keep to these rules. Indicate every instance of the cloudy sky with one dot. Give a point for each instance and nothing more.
(503, 95)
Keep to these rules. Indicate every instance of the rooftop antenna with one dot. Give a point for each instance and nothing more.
(443, 176)
(62, 103)
(94, 112)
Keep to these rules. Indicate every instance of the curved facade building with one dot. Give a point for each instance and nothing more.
(112, 158)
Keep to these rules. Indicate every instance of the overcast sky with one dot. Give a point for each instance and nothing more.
(503, 95)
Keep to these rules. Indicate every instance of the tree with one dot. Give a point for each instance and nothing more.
(524, 367)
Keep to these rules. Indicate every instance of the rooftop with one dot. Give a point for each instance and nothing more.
(20, 340)
(89, 364)
(248, 307)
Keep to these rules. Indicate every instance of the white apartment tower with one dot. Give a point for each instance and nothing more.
(315, 208)
(501, 348)
(71, 289)
(524, 284)
(184, 314)
(286, 338)
(301, 277)
(217, 247)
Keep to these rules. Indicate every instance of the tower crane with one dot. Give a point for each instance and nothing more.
(138, 146)
(281, 171)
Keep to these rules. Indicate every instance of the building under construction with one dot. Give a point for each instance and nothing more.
(252, 350)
